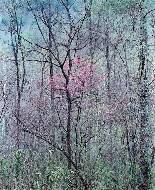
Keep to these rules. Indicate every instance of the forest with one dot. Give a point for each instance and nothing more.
(77, 94)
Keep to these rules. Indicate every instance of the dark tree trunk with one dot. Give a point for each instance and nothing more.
(145, 128)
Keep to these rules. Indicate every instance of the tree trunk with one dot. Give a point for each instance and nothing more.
(145, 127)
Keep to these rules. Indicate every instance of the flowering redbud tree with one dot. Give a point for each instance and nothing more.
(82, 78)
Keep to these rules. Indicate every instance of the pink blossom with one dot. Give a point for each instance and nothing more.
(83, 77)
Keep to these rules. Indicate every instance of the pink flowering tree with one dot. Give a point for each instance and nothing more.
(82, 78)
(70, 82)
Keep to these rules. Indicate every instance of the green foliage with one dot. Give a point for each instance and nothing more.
(34, 170)
(4, 165)
(117, 176)
(18, 162)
